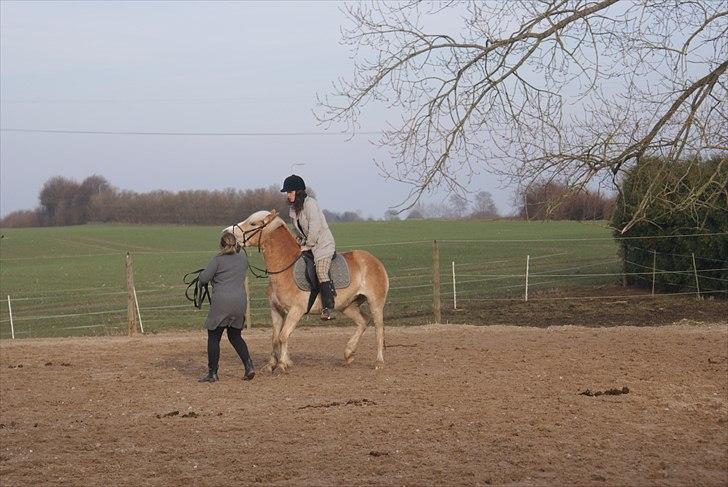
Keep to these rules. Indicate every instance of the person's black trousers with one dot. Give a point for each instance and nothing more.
(213, 346)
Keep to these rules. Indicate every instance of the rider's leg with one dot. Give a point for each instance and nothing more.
(327, 287)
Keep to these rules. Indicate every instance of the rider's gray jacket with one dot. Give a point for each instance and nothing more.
(311, 226)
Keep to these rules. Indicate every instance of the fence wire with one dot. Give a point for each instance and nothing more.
(484, 271)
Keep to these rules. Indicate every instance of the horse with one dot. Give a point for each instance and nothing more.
(369, 284)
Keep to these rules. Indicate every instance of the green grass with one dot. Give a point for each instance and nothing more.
(71, 280)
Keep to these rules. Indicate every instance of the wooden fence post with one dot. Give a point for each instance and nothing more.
(248, 324)
(436, 303)
(130, 302)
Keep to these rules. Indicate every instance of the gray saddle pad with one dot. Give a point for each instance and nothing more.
(339, 273)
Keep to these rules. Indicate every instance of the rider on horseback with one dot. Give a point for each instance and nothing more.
(312, 231)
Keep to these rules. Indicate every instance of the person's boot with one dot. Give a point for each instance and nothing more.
(327, 300)
(249, 370)
(211, 376)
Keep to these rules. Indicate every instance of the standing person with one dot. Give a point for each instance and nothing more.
(226, 271)
(313, 234)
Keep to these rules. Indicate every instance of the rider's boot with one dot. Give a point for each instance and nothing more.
(327, 300)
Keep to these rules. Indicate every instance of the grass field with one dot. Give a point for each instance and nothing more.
(71, 280)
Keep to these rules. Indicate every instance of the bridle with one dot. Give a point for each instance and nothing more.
(264, 273)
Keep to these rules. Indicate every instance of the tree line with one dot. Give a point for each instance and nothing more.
(64, 201)
(544, 200)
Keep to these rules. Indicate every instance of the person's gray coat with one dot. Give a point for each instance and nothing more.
(311, 225)
(227, 275)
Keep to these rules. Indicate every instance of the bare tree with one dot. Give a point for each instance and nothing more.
(483, 206)
(575, 89)
(57, 201)
(417, 212)
(457, 206)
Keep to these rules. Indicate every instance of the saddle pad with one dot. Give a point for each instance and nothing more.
(339, 273)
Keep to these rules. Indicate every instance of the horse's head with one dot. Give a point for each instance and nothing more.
(250, 231)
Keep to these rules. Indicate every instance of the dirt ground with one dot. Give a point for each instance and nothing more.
(590, 306)
(454, 405)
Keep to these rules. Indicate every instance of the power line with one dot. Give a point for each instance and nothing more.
(190, 134)
(248, 99)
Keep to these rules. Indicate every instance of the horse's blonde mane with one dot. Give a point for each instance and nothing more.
(277, 222)
(261, 215)
(257, 216)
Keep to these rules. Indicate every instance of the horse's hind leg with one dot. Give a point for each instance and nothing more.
(377, 310)
(277, 321)
(354, 312)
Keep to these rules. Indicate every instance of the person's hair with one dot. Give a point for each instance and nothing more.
(228, 244)
(298, 200)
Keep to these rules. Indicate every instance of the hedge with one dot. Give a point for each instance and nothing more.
(685, 198)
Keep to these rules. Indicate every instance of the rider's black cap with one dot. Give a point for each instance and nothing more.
(293, 183)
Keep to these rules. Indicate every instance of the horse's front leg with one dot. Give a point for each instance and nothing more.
(276, 317)
(292, 318)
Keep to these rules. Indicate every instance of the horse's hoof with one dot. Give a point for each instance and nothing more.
(269, 368)
(348, 357)
(379, 366)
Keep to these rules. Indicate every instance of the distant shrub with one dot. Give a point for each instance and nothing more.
(556, 201)
(22, 218)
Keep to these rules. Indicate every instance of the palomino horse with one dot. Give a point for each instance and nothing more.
(369, 283)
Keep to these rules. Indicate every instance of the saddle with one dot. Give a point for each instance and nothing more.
(304, 273)
(201, 291)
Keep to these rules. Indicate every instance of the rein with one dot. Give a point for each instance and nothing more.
(264, 273)
(201, 291)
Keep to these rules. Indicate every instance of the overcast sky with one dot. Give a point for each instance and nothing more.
(240, 67)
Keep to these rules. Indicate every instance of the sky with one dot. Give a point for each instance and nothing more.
(185, 67)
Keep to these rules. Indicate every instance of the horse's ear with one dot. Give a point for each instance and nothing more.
(273, 213)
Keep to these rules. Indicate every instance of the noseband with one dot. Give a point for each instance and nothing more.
(248, 235)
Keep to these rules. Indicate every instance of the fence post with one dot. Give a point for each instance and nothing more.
(248, 324)
(454, 288)
(528, 261)
(12, 327)
(654, 261)
(436, 304)
(695, 271)
(130, 315)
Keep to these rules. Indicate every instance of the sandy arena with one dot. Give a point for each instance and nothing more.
(454, 405)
